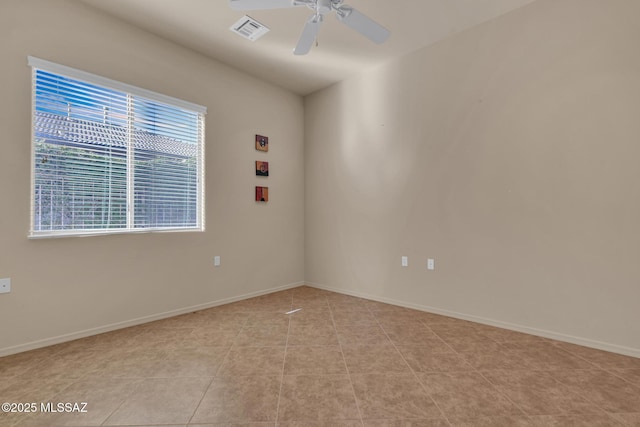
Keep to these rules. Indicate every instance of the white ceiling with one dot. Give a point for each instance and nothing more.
(203, 25)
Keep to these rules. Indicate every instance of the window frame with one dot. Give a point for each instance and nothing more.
(131, 91)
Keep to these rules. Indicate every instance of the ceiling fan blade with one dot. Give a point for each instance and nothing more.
(264, 4)
(362, 24)
(309, 34)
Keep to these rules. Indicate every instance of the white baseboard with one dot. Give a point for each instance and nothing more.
(627, 351)
(138, 321)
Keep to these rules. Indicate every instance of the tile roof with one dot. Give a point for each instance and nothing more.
(74, 132)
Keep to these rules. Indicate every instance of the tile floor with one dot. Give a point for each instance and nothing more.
(339, 362)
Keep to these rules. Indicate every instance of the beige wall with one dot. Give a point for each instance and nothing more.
(509, 154)
(69, 286)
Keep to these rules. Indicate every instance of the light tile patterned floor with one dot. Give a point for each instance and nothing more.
(339, 362)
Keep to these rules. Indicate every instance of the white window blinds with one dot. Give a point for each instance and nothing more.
(109, 157)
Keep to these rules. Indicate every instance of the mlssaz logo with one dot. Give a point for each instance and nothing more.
(80, 407)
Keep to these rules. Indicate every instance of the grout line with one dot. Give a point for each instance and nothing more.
(581, 396)
(596, 367)
(284, 361)
(119, 406)
(539, 370)
(594, 364)
(206, 390)
(478, 371)
(615, 374)
(215, 375)
(344, 360)
(411, 369)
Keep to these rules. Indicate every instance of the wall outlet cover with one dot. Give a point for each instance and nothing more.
(5, 286)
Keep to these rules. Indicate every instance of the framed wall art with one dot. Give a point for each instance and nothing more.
(262, 194)
(262, 143)
(262, 168)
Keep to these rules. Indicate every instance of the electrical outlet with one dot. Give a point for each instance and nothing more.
(216, 261)
(431, 264)
(405, 261)
(5, 286)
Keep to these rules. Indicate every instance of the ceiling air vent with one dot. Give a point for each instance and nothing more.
(249, 28)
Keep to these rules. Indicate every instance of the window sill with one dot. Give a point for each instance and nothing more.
(90, 233)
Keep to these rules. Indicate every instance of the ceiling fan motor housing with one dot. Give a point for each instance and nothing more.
(323, 6)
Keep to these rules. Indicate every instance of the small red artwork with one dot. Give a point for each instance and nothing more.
(262, 194)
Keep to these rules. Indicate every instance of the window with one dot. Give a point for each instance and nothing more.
(112, 158)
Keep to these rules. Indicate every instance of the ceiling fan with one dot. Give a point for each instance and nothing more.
(345, 14)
